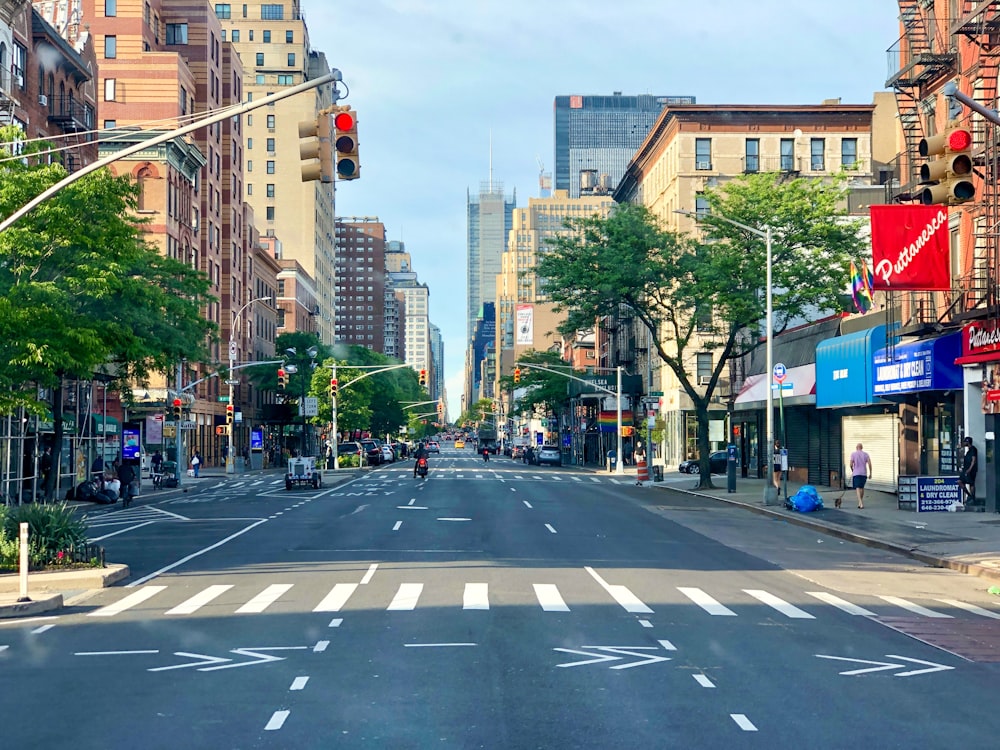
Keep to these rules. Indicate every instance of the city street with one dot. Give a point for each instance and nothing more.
(493, 605)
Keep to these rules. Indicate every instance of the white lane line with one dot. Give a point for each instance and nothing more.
(406, 597)
(276, 721)
(788, 610)
(299, 683)
(265, 598)
(595, 479)
(916, 608)
(370, 574)
(412, 501)
(538, 476)
(621, 594)
(706, 602)
(667, 645)
(646, 623)
(556, 479)
(703, 681)
(436, 645)
(4, 648)
(454, 519)
(397, 525)
(549, 598)
(846, 606)
(526, 504)
(743, 722)
(551, 530)
(199, 600)
(129, 601)
(193, 555)
(120, 531)
(518, 476)
(411, 507)
(172, 515)
(320, 647)
(513, 489)
(576, 479)
(337, 598)
(336, 622)
(971, 608)
(39, 631)
(18, 621)
(115, 653)
(476, 596)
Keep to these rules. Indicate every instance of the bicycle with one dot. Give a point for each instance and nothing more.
(157, 480)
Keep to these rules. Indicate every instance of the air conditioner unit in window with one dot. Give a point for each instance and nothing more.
(704, 379)
(703, 165)
(43, 100)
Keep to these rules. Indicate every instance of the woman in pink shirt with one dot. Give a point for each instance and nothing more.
(861, 472)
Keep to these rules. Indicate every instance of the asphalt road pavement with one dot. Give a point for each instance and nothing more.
(491, 606)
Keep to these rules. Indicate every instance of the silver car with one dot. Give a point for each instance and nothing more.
(549, 454)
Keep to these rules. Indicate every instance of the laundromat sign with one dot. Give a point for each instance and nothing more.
(981, 340)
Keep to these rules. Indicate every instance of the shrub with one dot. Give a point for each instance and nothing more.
(349, 461)
(52, 529)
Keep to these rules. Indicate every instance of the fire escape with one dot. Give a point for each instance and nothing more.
(9, 12)
(979, 22)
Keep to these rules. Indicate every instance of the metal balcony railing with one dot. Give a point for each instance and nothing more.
(71, 114)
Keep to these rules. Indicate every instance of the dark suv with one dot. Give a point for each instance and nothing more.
(373, 451)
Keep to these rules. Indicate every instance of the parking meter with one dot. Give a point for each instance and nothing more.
(731, 468)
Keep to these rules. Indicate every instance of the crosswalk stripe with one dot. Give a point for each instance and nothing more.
(914, 607)
(406, 597)
(595, 479)
(265, 598)
(476, 596)
(706, 602)
(549, 598)
(129, 601)
(971, 608)
(836, 601)
(337, 597)
(788, 610)
(576, 479)
(199, 600)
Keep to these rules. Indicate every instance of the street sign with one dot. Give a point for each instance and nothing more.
(312, 406)
(782, 386)
(658, 394)
(238, 417)
(232, 382)
(187, 424)
(780, 372)
(224, 399)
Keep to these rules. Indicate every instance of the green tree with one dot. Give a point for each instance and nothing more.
(707, 296)
(546, 390)
(82, 290)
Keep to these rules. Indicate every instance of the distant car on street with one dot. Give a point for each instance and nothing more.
(549, 454)
(373, 452)
(717, 464)
(459, 443)
(388, 454)
(433, 447)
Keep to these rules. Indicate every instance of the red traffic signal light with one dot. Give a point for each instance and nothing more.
(230, 414)
(333, 387)
(346, 144)
(948, 178)
(517, 374)
(282, 379)
(423, 377)
(178, 408)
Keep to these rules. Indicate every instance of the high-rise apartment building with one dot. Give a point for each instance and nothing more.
(415, 318)
(596, 137)
(489, 220)
(361, 283)
(272, 40)
(437, 358)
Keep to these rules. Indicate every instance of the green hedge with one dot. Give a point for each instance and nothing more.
(53, 530)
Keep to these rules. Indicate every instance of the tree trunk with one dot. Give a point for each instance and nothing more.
(704, 448)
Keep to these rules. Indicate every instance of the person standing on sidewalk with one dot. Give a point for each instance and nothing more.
(970, 466)
(776, 466)
(861, 472)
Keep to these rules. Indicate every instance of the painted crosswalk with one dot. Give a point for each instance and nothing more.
(229, 598)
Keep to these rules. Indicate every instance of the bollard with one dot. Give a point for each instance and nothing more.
(24, 564)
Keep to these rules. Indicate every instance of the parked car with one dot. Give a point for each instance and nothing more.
(350, 448)
(373, 452)
(388, 454)
(717, 462)
(549, 454)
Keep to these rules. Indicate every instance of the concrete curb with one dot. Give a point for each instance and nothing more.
(65, 580)
(40, 604)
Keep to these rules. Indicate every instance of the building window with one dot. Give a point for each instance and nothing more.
(817, 160)
(270, 190)
(259, 79)
(270, 145)
(249, 188)
(249, 143)
(849, 153)
(289, 37)
(704, 366)
(267, 36)
(752, 161)
(702, 153)
(285, 79)
(109, 89)
(272, 12)
(223, 10)
(110, 47)
(291, 59)
(701, 207)
(249, 165)
(110, 8)
(260, 58)
(177, 33)
(270, 213)
(270, 166)
(235, 35)
(270, 122)
(110, 124)
(787, 155)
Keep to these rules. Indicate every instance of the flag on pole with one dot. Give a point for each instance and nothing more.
(861, 287)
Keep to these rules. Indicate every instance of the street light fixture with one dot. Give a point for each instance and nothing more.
(230, 461)
(770, 491)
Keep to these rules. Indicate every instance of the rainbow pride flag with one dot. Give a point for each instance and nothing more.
(608, 420)
(861, 287)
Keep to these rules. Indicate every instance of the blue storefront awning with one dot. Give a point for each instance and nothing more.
(844, 369)
(927, 365)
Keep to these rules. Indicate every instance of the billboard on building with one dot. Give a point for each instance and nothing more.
(525, 325)
(910, 248)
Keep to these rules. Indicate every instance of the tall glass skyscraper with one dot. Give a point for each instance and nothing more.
(599, 135)
(491, 217)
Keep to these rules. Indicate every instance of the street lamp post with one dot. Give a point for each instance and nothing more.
(312, 351)
(770, 491)
(230, 461)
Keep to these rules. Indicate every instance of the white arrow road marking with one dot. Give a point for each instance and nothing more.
(634, 651)
(883, 665)
(256, 651)
(202, 660)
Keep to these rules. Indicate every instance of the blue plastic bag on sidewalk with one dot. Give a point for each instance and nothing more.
(806, 500)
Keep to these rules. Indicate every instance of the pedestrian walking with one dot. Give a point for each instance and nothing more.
(45, 464)
(861, 472)
(776, 466)
(126, 474)
(196, 462)
(970, 466)
(640, 458)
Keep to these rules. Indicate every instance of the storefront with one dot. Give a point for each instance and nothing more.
(980, 362)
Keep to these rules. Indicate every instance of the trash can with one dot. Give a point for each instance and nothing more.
(612, 461)
(657, 473)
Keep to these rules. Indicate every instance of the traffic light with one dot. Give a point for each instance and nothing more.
(230, 414)
(948, 178)
(282, 379)
(333, 388)
(178, 409)
(517, 374)
(423, 378)
(346, 126)
(317, 151)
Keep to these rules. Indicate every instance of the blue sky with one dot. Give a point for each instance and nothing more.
(432, 79)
